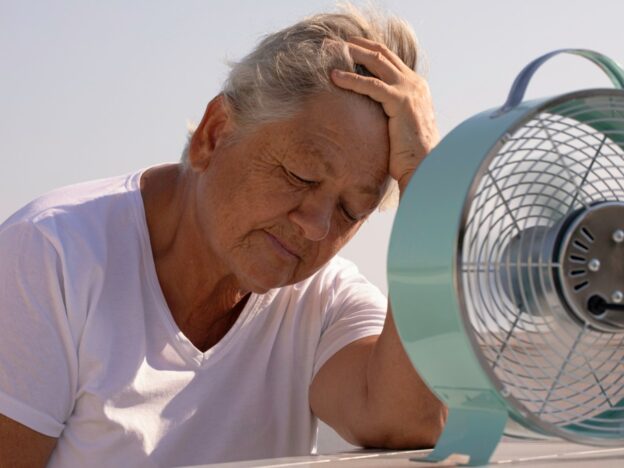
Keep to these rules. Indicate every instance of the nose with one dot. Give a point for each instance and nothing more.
(313, 216)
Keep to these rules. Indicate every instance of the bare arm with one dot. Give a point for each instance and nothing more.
(20, 446)
(371, 395)
(369, 391)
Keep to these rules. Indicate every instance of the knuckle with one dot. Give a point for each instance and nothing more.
(378, 84)
(378, 56)
(420, 85)
(379, 46)
(384, 48)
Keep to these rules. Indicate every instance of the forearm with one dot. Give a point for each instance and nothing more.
(401, 409)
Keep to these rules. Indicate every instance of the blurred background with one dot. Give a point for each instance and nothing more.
(94, 89)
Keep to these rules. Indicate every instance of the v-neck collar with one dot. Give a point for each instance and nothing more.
(187, 350)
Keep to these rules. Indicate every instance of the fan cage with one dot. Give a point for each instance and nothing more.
(559, 377)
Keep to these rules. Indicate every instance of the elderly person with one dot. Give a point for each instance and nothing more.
(197, 312)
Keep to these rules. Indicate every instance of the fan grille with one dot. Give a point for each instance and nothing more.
(560, 374)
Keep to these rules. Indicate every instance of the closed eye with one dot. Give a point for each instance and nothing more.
(348, 215)
(297, 179)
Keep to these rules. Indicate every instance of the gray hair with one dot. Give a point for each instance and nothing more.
(289, 66)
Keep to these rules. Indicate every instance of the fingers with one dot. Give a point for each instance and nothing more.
(376, 62)
(382, 49)
(405, 98)
(391, 74)
(368, 86)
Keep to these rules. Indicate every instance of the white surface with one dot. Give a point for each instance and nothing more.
(511, 451)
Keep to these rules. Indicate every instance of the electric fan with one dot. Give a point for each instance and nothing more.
(506, 269)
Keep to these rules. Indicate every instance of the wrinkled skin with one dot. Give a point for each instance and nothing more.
(278, 203)
(406, 100)
(270, 207)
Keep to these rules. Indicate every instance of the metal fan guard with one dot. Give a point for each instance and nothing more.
(560, 376)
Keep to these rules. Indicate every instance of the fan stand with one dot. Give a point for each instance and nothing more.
(461, 444)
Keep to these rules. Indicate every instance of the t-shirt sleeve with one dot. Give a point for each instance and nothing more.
(355, 309)
(38, 363)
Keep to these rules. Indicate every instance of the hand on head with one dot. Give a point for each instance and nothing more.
(405, 98)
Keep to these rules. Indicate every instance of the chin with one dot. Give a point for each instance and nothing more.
(262, 282)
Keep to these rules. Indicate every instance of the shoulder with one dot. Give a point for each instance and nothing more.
(74, 210)
(72, 199)
(337, 270)
(63, 247)
(337, 285)
(334, 273)
(342, 275)
(82, 230)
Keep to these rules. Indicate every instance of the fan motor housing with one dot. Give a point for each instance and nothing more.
(578, 260)
(591, 264)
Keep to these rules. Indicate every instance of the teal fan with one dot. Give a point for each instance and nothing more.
(506, 269)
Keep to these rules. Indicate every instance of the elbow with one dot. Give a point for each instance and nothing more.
(437, 422)
(422, 434)
(415, 431)
(433, 427)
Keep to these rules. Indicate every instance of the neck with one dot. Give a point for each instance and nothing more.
(203, 298)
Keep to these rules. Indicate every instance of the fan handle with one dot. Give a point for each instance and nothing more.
(519, 86)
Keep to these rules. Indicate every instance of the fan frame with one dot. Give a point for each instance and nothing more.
(516, 412)
(423, 263)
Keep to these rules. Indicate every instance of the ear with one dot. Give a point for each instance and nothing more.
(215, 126)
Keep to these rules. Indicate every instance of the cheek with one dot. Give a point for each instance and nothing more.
(247, 210)
(276, 197)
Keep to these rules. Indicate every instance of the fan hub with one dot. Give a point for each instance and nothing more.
(590, 276)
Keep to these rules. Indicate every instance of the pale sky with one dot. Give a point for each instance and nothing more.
(91, 89)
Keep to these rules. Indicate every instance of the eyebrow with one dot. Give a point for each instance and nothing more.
(312, 150)
(368, 190)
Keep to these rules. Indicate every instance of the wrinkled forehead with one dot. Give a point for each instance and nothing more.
(369, 172)
(344, 129)
(348, 138)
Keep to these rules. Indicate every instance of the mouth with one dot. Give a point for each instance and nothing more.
(281, 246)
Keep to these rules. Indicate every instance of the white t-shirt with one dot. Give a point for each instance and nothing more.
(90, 353)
